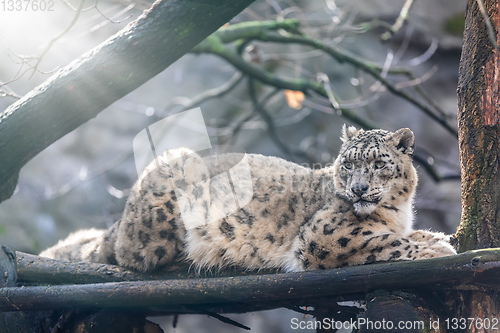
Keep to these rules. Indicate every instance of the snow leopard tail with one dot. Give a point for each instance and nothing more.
(92, 245)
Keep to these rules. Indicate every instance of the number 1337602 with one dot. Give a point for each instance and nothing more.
(27, 5)
(472, 323)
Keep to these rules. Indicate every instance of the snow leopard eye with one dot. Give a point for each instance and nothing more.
(379, 164)
(348, 165)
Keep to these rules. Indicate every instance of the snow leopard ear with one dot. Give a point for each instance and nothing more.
(349, 132)
(404, 140)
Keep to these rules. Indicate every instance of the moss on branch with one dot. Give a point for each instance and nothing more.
(266, 31)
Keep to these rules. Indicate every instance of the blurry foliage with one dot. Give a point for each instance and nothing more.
(455, 24)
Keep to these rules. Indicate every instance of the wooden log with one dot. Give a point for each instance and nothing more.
(33, 269)
(13, 322)
(460, 271)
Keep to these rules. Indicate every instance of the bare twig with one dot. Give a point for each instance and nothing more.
(230, 131)
(403, 16)
(371, 69)
(186, 104)
(34, 68)
(427, 161)
(322, 77)
(225, 320)
(112, 19)
(215, 45)
(54, 39)
(489, 26)
(271, 128)
(5, 91)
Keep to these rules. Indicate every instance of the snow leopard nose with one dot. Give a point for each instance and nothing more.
(360, 188)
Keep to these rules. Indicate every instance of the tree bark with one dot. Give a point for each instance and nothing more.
(81, 90)
(479, 140)
(479, 131)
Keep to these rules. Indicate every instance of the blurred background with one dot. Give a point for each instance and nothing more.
(83, 179)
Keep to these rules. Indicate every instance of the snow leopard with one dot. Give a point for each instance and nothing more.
(263, 212)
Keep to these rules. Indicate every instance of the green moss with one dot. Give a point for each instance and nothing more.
(455, 24)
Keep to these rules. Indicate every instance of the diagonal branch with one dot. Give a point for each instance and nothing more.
(81, 90)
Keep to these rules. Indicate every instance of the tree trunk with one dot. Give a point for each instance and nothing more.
(479, 131)
(79, 91)
(479, 140)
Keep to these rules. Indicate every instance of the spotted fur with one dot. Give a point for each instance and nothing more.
(257, 211)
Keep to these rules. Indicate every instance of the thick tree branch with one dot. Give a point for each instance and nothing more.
(32, 269)
(89, 84)
(470, 270)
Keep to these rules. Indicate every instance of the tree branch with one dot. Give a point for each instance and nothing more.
(54, 39)
(32, 269)
(89, 84)
(371, 69)
(489, 27)
(470, 270)
(259, 107)
(184, 103)
(215, 44)
(403, 16)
